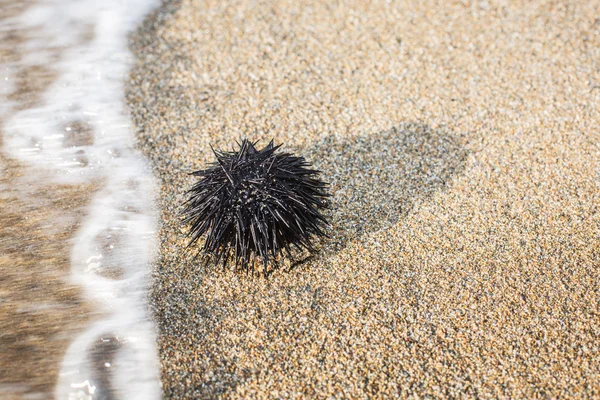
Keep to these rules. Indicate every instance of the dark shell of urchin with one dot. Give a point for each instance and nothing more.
(255, 204)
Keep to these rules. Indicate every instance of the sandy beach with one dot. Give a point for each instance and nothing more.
(461, 142)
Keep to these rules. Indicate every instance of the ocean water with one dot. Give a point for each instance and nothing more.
(77, 131)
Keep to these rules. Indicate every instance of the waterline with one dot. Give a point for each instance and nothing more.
(78, 132)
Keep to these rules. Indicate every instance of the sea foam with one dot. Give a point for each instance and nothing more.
(79, 132)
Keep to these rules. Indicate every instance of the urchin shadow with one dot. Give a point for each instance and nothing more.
(376, 180)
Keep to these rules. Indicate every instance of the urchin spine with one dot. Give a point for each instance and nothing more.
(252, 203)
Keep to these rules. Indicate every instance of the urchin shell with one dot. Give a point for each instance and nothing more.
(255, 204)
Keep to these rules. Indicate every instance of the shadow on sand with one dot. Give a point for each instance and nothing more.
(377, 179)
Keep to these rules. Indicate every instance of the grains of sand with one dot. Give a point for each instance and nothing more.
(461, 141)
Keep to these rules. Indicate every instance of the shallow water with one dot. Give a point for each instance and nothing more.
(68, 125)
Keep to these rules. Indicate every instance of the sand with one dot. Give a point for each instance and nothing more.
(40, 309)
(461, 142)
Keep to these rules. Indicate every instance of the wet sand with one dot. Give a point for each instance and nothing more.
(40, 310)
(461, 140)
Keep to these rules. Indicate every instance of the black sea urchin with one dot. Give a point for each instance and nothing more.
(256, 204)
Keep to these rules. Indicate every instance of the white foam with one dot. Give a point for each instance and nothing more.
(86, 43)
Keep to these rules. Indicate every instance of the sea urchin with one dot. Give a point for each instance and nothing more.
(255, 204)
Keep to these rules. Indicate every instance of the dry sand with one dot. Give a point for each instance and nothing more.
(462, 142)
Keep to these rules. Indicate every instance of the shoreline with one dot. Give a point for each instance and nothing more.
(77, 206)
(41, 308)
